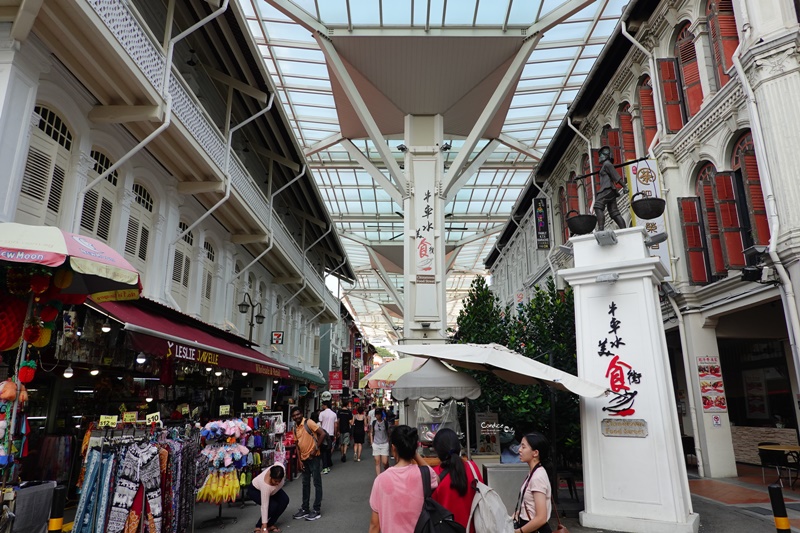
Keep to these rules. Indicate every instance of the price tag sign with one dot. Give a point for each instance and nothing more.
(108, 421)
(224, 410)
(195, 412)
(184, 409)
(130, 417)
(261, 406)
(262, 403)
(153, 418)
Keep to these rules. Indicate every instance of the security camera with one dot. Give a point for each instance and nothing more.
(426, 324)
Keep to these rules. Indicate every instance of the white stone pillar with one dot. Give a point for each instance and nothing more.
(634, 472)
(20, 68)
(703, 51)
(425, 272)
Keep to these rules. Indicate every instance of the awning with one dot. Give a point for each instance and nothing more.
(304, 375)
(164, 336)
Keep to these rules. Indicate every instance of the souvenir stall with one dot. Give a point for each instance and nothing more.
(42, 270)
(265, 442)
(429, 396)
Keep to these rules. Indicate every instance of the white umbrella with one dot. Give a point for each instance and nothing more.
(507, 364)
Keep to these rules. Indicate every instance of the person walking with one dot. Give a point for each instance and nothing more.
(379, 439)
(455, 491)
(397, 495)
(534, 504)
(359, 432)
(267, 491)
(327, 419)
(344, 418)
(308, 436)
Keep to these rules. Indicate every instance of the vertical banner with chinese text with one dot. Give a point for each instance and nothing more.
(542, 224)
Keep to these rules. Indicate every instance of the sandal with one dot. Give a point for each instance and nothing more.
(274, 528)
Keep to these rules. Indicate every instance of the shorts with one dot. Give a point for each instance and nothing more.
(380, 449)
(344, 439)
(607, 199)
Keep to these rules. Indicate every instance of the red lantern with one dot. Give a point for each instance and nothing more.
(48, 314)
(40, 283)
(18, 281)
(12, 318)
(32, 333)
(27, 370)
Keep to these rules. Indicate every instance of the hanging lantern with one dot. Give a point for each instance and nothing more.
(45, 335)
(12, 319)
(32, 332)
(27, 370)
(40, 282)
(49, 313)
(63, 278)
(18, 281)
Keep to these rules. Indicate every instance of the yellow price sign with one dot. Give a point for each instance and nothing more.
(185, 409)
(260, 408)
(262, 403)
(108, 421)
(130, 417)
(153, 418)
(224, 410)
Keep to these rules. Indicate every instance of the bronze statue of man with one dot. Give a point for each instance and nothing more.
(607, 193)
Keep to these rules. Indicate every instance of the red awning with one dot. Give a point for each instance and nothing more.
(161, 336)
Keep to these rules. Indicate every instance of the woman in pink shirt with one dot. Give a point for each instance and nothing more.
(397, 494)
(267, 491)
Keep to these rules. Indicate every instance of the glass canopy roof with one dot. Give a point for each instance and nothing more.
(363, 212)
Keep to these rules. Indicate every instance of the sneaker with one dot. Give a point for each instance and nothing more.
(302, 513)
(326, 470)
(344, 458)
(313, 515)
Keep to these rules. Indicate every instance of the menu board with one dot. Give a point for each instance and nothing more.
(755, 393)
(488, 433)
(712, 388)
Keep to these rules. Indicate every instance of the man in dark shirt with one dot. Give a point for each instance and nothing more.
(343, 421)
(607, 193)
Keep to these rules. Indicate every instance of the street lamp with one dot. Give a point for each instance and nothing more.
(247, 303)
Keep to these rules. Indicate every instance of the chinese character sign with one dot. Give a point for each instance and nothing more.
(424, 234)
(542, 227)
(622, 377)
(643, 177)
(712, 389)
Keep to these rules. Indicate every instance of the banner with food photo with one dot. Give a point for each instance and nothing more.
(712, 388)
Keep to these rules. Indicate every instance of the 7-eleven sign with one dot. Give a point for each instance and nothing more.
(277, 337)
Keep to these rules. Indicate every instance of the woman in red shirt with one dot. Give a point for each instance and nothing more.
(455, 491)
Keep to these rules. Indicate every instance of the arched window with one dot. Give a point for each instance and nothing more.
(98, 204)
(45, 169)
(705, 192)
(689, 69)
(627, 141)
(723, 36)
(182, 266)
(140, 225)
(745, 166)
(647, 107)
(207, 292)
(609, 137)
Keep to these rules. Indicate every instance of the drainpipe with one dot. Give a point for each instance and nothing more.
(228, 180)
(656, 86)
(269, 226)
(158, 131)
(303, 272)
(323, 305)
(690, 392)
(589, 148)
(757, 130)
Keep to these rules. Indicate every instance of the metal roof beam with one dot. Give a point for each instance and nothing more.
(519, 147)
(336, 65)
(483, 235)
(376, 174)
(383, 278)
(455, 185)
(388, 218)
(324, 144)
(294, 12)
(558, 15)
(508, 81)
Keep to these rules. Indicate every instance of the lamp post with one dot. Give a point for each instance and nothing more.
(247, 303)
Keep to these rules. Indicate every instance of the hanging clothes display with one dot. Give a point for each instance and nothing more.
(130, 478)
(264, 443)
(225, 454)
(55, 457)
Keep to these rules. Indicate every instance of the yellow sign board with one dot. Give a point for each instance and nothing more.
(108, 421)
(224, 410)
(130, 417)
(153, 418)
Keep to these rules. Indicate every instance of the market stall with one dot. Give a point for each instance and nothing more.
(435, 381)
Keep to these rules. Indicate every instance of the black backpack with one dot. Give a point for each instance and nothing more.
(434, 518)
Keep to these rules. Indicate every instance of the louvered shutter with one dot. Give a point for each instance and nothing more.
(759, 223)
(187, 267)
(89, 211)
(627, 142)
(694, 244)
(36, 176)
(648, 106)
(724, 37)
(713, 240)
(671, 94)
(207, 283)
(104, 219)
(144, 239)
(562, 201)
(690, 73)
(614, 142)
(573, 202)
(132, 236)
(728, 216)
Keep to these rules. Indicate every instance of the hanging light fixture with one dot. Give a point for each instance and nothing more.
(141, 358)
(106, 327)
(244, 374)
(148, 399)
(68, 372)
(275, 381)
(220, 388)
(94, 371)
(218, 373)
(209, 369)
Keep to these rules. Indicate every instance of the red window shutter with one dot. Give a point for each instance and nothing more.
(648, 107)
(728, 216)
(690, 73)
(759, 223)
(573, 202)
(706, 193)
(696, 252)
(627, 141)
(723, 35)
(671, 93)
(614, 141)
(562, 202)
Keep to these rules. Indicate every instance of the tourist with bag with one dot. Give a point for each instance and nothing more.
(309, 436)
(379, 440)
(535, 496)
(456, 481)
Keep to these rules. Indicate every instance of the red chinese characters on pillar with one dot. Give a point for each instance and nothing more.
(621, 376)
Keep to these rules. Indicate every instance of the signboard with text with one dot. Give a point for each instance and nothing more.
(541, 221)
(335, 381)
(277, 337)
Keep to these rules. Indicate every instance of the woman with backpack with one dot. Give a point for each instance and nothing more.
(455, 491)
(534, 503)
(397, 495)
(379, 440)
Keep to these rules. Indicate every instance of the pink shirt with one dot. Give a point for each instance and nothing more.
(261, 482)
(397, 498)
(539, 483)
